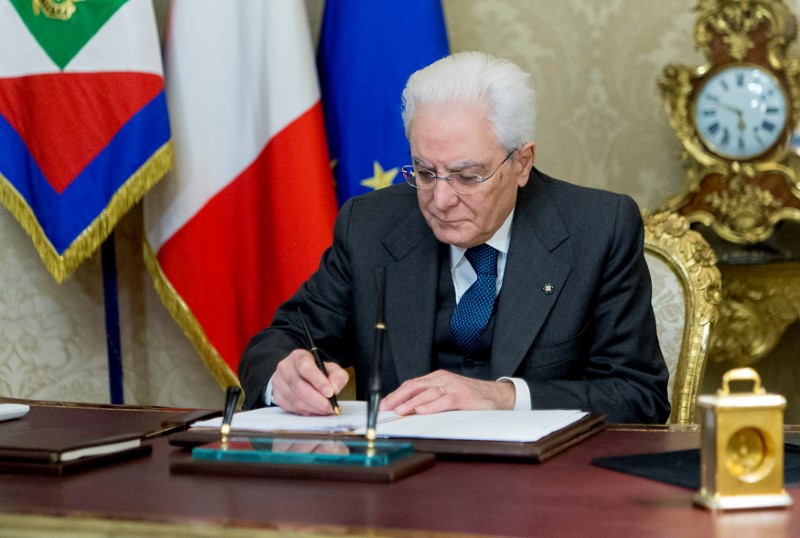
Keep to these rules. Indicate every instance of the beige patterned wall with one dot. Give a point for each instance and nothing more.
(601, 123)
(594, 64)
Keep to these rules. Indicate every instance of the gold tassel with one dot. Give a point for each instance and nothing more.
(183, 316)
(101, 227)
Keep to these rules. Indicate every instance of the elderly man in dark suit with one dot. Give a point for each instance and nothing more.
(505, 288)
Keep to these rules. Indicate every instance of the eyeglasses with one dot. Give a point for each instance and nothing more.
(460, 182)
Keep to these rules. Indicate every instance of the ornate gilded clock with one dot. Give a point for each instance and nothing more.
(735, 116)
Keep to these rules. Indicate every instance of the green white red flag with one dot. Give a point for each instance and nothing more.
(84, 131)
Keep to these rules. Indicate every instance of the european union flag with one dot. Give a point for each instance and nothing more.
(367, 51)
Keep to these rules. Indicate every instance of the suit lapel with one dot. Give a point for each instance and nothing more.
(531, 272)
(412, 285)
(411, 288)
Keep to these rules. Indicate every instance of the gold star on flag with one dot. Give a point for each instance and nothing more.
(381, 178)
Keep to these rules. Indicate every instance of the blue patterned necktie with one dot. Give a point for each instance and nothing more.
(472, 312)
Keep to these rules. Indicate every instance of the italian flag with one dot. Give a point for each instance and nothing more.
(84, 131)
(243, 219)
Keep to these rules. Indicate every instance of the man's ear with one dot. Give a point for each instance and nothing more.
(526, 155)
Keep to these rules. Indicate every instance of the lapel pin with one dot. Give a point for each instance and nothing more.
(548, 288)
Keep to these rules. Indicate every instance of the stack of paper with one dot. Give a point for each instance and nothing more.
(522, 426)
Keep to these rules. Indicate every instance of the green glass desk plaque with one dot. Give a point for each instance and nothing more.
(271, 450)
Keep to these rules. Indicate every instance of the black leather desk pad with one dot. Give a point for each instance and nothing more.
(682, 467)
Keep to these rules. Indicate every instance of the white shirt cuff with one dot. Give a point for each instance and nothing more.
(268, 393)
(523, 393)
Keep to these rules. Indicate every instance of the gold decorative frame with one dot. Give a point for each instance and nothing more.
(758, 303)
(741, 201)
(668, 237)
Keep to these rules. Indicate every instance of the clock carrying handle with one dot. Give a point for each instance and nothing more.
(741, 374)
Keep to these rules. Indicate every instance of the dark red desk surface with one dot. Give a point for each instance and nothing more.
(564, 496)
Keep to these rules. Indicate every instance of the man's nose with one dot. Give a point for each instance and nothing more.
(443, 194)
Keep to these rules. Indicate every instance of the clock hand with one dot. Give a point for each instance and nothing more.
(740, 125)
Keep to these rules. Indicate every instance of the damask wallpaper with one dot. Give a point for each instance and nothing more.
(601, 123)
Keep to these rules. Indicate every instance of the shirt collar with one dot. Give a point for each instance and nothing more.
(500, 241)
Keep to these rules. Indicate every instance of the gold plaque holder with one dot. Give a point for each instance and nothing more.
(741, 455)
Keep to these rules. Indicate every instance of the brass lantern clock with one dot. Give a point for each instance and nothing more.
(734, 116)
(741, 452)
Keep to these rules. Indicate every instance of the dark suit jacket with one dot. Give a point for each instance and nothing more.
(589, 344)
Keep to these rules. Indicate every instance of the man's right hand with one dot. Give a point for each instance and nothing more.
(300, 387)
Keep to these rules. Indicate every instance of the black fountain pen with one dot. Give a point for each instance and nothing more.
(315, 353)
(375, 373)
(231, 401)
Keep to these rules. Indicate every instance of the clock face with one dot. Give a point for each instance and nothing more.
(740, 112)
(748, 455)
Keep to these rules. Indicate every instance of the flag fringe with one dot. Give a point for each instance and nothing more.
(183, 316)
(134, 188)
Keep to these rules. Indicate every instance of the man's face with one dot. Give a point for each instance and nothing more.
(458, 137)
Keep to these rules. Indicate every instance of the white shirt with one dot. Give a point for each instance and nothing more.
(461, 270)
(464, 276)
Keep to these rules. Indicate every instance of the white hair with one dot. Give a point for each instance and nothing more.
(505, 90)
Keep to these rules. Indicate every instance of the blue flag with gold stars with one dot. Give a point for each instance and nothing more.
(367, 51)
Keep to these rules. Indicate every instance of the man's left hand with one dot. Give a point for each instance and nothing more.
(445, 391)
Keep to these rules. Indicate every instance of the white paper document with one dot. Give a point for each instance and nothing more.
(521, 426)
(273, 419)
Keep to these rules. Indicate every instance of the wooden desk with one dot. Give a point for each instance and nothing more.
(564, 496)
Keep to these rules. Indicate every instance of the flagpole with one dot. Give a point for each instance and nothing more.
(108, 256)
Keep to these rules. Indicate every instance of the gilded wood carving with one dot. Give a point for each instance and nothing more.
(692, 262)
